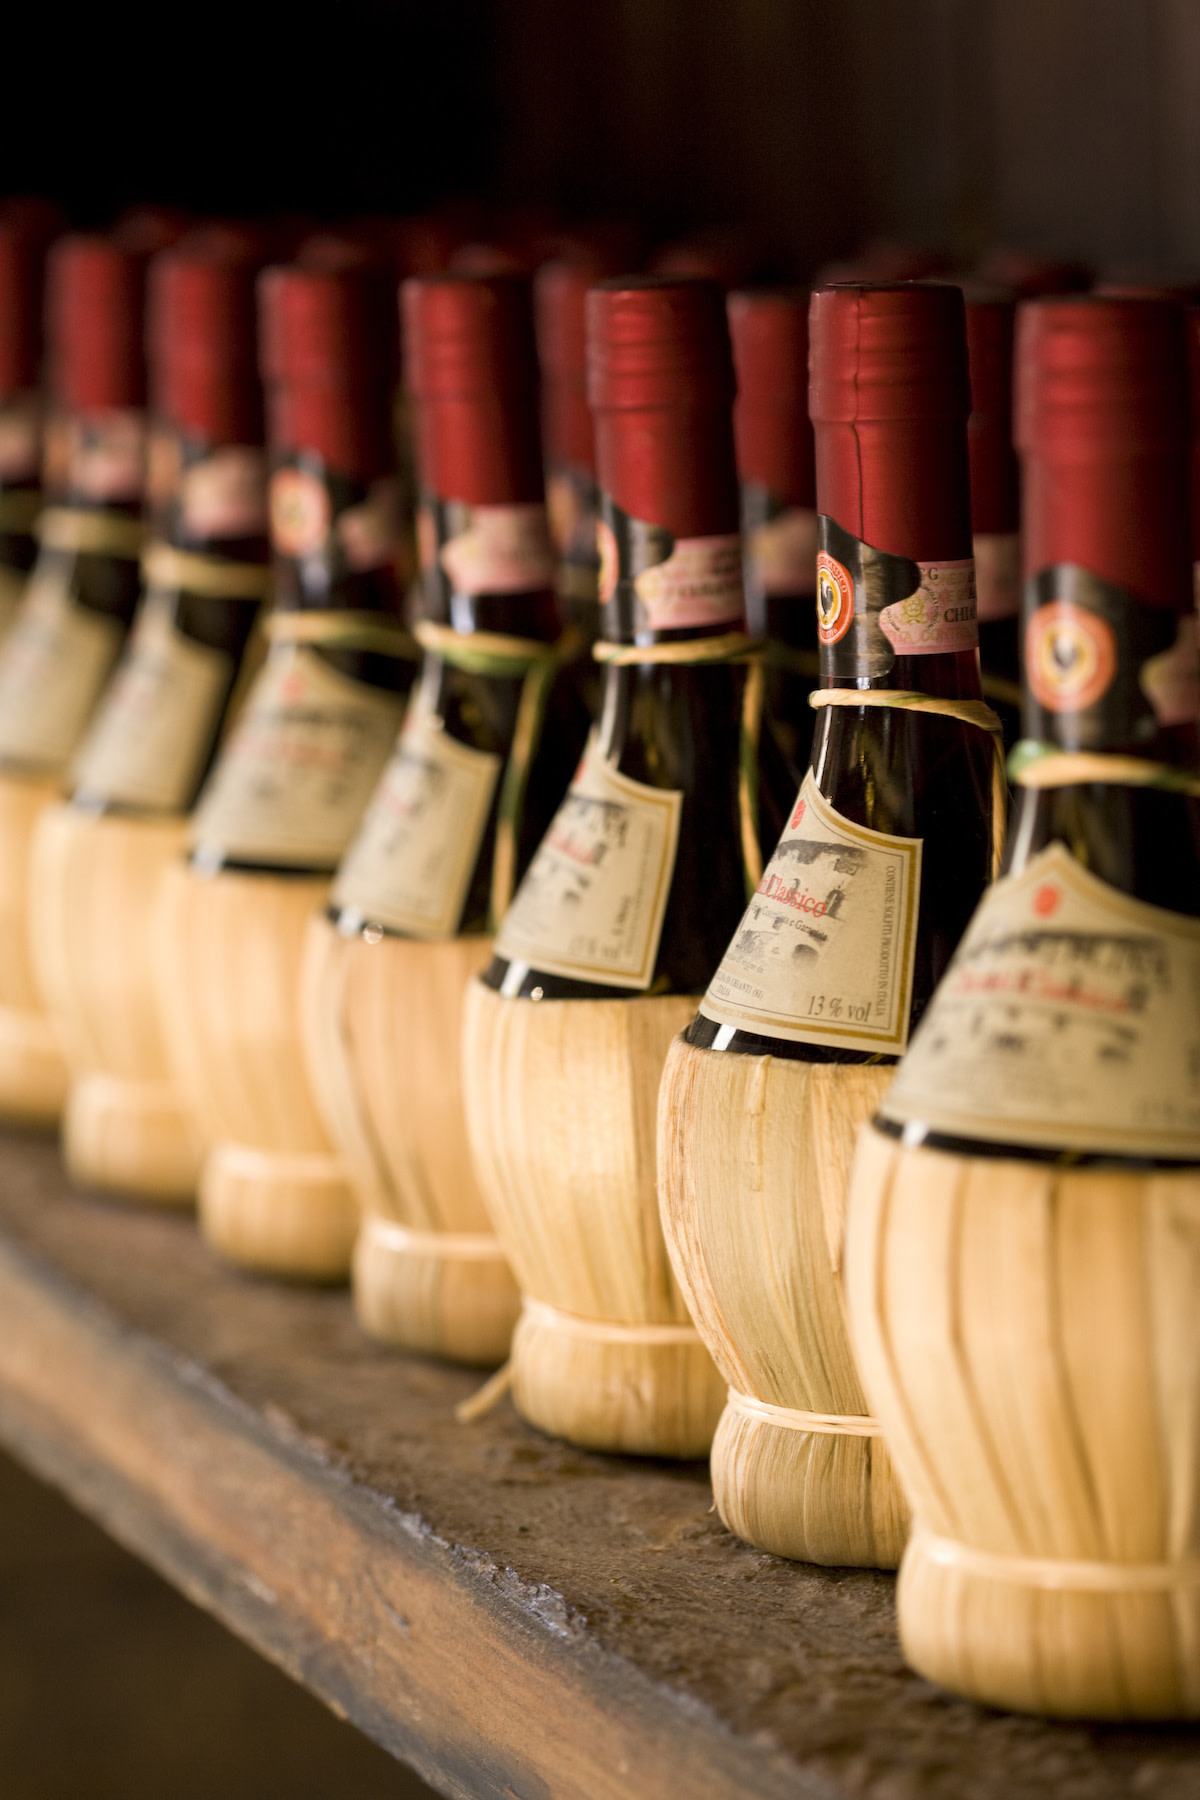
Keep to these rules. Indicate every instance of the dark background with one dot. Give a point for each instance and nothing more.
(1064, 124)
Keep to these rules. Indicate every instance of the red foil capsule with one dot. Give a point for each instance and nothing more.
(1103, 429)
(772, 431)
(560, 307)
(201, 341)
(889, 397)
(471, 370)
(94, 312)
(995, 474)
(329, 359)
(661, 387)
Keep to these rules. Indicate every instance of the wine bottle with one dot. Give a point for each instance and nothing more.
(777, 473)
(888, 847)
(995, 498)
(560, 293)
(21, 260)
(628, 902)
(486, 749)
(292, 779)
(99, 858)
(1022, 1212)
(74, 614)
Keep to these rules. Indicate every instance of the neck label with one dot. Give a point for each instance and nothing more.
(873, 607)
(53, 666)
(299, 766)
(1069, 1019)
(824, 953)
(658, 582)
(153, 732)
(592, 901)
(997, 574)
(1102, 669)
(411, 864)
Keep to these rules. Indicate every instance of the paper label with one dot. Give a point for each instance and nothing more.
(1171, 680)
(997, 574)
(592, 902)
(502, 550)
(1069, 1019)
(700, 583)
(300, 765)
(411, 864)
(301, 512)
(20, 439)
(107, 455)
(782, 552)
(938, 618)
(824, 953)
(224, 495)
(53, 664)
(155, 726)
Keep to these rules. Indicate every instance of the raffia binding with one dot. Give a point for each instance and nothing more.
(605, 1331)
(1051, 1572)
(19, 510)
(791, 1419)
(487, 1397)
(731, 646)
(1037, 765)
(89, 529)
(968, 712)
(453, 1246)
(367, 631)
(165, 567)
(534, 664)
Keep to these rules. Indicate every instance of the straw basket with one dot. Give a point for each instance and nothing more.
(33, 1074)
(1029, 1338)
(95, 887)
(560, 1100)
(382, 1028)
(274, 1195)
(753, 1155)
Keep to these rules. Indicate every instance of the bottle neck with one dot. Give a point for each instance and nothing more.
(889, 621)
(335, 538)
(104, 460)
(657, 586)
(488, 567)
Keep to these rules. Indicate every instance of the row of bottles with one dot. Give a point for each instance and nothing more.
(307, 910)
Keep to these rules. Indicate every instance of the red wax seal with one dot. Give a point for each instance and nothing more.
(94, 312)
(327, 349)
(471, 370)
(995, 476)
(774, 437)
(661, 385)
(889, 397)
(201, 338)
(1103, 429)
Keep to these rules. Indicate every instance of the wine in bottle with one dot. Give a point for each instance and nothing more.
(1024, 1210)
(291, 780)
(74, 614)
(480, 764)
(627, 904)
(776, 470)
(99, 858)
(995, 498)
(886, 852)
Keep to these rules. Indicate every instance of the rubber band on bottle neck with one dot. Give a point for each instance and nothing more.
(330, 630)
(1034, 765)
(166, 567)
(89, 529)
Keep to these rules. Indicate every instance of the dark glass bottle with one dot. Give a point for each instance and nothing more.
(777, 473)
(995, 498)
(661, 390)
(488, 569)
(1102, 423)
(889, 400)
(84, 586)
(290, 783)
(155, 734)
(21, 264)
